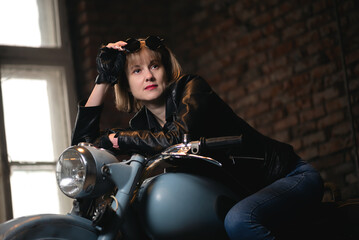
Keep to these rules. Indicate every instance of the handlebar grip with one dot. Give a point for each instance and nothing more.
(220, 142)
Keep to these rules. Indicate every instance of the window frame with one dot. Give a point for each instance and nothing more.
(44, 56)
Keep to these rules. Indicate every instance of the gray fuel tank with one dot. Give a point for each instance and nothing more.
(184, 206)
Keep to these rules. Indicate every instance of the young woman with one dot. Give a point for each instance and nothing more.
(148, 79)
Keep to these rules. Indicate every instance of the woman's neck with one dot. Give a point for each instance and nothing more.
(159, 111)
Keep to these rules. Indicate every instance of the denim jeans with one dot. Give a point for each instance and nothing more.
(254, 216)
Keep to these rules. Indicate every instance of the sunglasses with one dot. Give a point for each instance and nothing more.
(152, 42)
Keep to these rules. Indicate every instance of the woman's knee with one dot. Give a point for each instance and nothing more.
(237, 222)
(243, 221)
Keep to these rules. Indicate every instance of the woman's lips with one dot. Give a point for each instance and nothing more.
(151, 87)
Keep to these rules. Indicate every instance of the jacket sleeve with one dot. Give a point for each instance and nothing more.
(197, 112)
(87, 125)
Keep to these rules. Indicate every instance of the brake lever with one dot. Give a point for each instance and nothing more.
(186, 155)
(188, 150)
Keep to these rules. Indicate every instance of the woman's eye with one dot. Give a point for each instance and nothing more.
(136, 70)
(155, 66)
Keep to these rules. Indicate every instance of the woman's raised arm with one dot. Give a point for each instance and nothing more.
(97, 95)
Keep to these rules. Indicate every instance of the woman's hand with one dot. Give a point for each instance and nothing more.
(110, 62)
(107, 68)
(114, 140)
(117, 45)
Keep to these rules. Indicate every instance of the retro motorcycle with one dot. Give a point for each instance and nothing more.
(162, 197)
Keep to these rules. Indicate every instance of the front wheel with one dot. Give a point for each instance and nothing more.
(48, 226)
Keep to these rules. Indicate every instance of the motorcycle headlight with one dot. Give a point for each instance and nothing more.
(78, 171)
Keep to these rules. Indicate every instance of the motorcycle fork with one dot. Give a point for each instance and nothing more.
(125, 176)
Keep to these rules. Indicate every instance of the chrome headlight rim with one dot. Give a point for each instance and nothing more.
(82, 154)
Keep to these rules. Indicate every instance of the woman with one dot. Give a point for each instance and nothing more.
(147, 78)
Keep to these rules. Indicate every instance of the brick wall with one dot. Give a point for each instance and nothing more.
(277, 63)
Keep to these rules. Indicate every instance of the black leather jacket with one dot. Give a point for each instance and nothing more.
(193, 107)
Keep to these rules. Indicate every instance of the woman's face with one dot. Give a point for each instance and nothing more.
(146, 77)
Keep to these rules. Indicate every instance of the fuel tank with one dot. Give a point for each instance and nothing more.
(184, 206)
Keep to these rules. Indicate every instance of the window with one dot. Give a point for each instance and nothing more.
(36, 92)
(32, 23)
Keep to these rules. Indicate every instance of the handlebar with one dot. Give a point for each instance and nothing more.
(192, 149)
(219, 142)
(195, 147)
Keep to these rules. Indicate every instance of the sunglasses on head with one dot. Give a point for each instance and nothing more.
(152, 42)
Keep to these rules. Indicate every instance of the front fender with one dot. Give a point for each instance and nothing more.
(46, 226)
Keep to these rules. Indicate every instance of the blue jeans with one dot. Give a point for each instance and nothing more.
(254, 216)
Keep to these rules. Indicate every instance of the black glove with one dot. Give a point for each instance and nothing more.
(110, 62)
(105, 142)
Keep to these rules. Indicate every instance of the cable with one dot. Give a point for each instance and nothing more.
(347, 90)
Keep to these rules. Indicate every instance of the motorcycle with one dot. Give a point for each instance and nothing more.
(162, 197)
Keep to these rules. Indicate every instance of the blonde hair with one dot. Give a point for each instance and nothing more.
(124, 100)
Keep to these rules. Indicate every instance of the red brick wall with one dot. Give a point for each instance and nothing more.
(276, 63)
